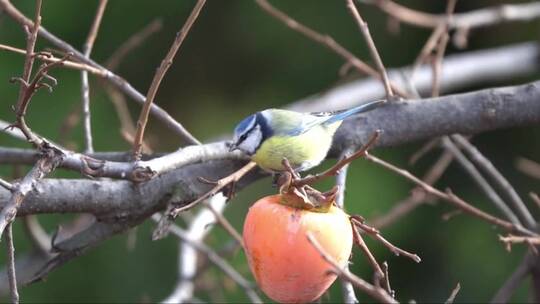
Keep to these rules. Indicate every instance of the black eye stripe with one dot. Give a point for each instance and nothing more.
(264, 127)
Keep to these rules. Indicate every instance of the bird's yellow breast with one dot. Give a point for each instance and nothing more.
(303, 151)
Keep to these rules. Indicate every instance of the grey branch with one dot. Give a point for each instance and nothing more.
(401, 123)
(473, 19)
(458, 72)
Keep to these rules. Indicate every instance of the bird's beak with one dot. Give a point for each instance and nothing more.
(232, 146)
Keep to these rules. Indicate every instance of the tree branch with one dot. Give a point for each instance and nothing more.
(117, 81)
(158, 77)
(473, 19)
(458, 72)
(85, 86)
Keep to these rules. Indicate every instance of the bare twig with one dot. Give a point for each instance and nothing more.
(451, 198)
(473, 19)
(417, 196)
(359, 241)
(340, 164)
(12, 277)
(30, 89)
(506, 291)
(427, 147)
(389, 289)
(85, 87)
(37, 235)
(23, 99)
(224, 222)
(375, 292)
(47, 57)
(116, 80)
(325, 40)
(347, 288)
(441, 48)
(376, 234)
(220, 184)
(513, 239)
(364, 29)
(160, 73)
(217, 260)
(481, 181)
(133, 42)
(437, 64)
(127, 129)
(5, 184)
(528, 167)
(483, 162)
(453, 295)
(428, 47)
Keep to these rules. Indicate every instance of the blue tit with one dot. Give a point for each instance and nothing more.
(303, 139)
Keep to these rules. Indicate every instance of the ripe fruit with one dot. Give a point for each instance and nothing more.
(286, 266)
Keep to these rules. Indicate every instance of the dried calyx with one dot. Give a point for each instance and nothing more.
(305, 197)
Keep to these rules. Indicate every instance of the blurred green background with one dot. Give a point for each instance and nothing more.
(237, 60)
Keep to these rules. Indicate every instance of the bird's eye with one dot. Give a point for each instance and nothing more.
(243, 137)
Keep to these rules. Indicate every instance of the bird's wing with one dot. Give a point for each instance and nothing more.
(313, 119)
(308, 121)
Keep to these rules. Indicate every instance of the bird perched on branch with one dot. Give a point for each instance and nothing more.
(303, 139)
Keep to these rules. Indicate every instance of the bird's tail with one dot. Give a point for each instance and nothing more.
(360, 109)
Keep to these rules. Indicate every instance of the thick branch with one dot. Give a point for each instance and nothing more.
(468, 113)
(401, 123)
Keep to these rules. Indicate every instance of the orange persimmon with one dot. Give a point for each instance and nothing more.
(284, 263)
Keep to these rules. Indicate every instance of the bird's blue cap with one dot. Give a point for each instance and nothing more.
(245, 125)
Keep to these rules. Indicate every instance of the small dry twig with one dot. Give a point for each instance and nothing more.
(347, 289)
(24, 91)
(359, 223)
(514, 239)
(375, 292)
(158, 77)
(5, 184)
(224, 222)
(48, 57)
(521, 272)
(215, 258)
(485, 164)
(452, 198)
(364, 29)
(133, 42)
(308, 180)
(441, 49)
(473, 19)
(119, 82)
(469, 167)
(326, 41)
(359, 241)
(85, 86)
(389, 289)
(529, 167)
(417, 196)
(219, 185)
(12, 276)
(453, 295)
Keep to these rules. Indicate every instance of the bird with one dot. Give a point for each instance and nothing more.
(271, 135)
